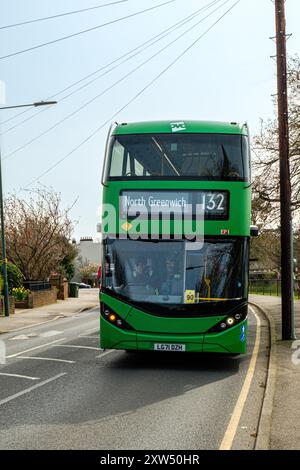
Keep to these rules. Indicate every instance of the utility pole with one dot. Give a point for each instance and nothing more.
(3, 245)
(287, 287)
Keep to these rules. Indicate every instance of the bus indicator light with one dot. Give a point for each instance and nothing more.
(230, 321)
(224, 232)
(114, 318)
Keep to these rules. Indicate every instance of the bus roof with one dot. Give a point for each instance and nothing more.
(168, 127)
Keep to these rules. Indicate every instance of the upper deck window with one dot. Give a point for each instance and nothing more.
(172, 156)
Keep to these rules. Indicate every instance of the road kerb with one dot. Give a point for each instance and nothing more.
(265, 422)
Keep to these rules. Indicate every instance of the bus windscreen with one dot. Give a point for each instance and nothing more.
(174, 272)
(167, 156)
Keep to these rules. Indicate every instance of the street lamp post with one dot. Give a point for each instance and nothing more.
(4, 259)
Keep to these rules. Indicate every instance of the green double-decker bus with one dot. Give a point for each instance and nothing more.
(175, 237)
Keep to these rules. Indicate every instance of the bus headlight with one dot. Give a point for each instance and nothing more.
(106, 312)
(230, 321)
(113, 318)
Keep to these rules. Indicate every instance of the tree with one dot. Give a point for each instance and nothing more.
(89, 272)
(266, 153)
(67, 266)
(38, 231)
(266, 250)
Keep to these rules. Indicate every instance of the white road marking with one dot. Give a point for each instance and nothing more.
(33, 325)
(19, 376)
(36, 347)
(105, 353)
(19, 338)
(92, 330)
(75, 346)
(30, 389)
(84, 336)
(46, 334)
(50, 333)
(47, 359)
(229, 435)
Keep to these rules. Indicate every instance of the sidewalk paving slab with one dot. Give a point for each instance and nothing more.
(88, 298)
(284, 432)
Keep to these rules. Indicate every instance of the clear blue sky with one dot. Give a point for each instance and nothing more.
(227, 75)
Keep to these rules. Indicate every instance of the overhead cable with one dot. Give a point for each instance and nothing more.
(90, 136)
(34, 139)
(63, 38)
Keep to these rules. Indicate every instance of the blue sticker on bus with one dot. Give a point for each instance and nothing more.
(243, 333)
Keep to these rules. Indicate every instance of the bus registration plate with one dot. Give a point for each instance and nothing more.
(169, 347)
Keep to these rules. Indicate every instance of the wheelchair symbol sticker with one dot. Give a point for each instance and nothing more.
(243, 334)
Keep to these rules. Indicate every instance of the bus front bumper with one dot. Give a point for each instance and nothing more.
(230, 341)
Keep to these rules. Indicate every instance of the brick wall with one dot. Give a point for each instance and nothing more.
(40, 298)
(62, 285)
(65, 291)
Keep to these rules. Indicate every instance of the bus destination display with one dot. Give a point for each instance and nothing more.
(215, 203)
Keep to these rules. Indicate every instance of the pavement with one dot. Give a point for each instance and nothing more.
(280, 418)
(88, 298)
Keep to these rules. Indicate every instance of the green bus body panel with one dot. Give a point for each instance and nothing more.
(238, 223)
(150, 329)
(119, 307)
(114, 338)
(224, 342)
(141, 321)
(190, 127)
(227, 341)
(145, 322)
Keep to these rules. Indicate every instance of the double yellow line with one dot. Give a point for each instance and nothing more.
(231, 430)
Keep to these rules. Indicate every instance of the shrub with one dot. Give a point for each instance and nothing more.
(20, 293)
(14, 276)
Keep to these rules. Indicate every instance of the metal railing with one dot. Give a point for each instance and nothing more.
(271, 287)
(34, 286)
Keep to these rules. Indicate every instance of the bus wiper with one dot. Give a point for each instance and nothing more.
(194, 267)
(168, 160)
(225, 169)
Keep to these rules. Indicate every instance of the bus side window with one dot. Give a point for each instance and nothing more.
(246, 158)
(117, 159)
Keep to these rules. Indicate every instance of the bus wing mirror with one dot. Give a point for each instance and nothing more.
(254, 232)
(99, 227)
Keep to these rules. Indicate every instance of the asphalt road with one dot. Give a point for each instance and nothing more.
(58, 390)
